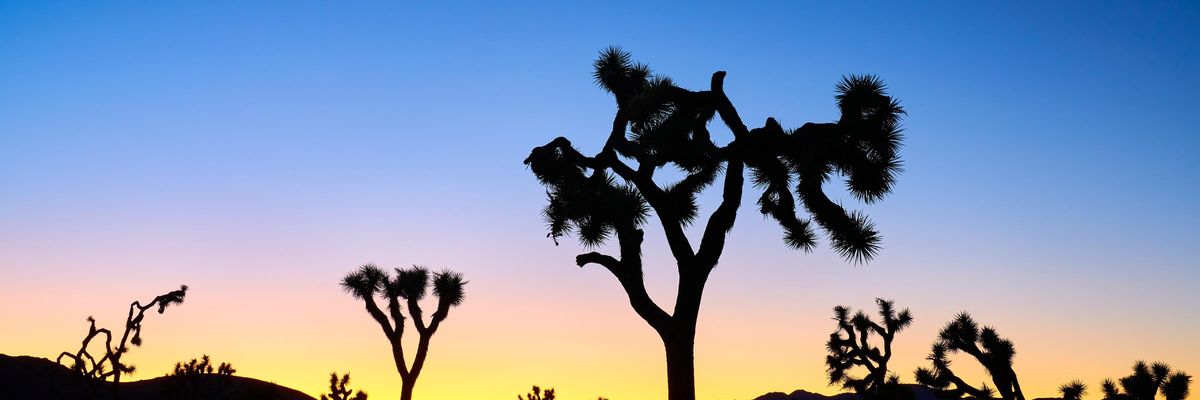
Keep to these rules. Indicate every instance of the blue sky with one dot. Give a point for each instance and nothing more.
(1050, 150)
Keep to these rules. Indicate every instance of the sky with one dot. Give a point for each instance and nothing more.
(260, 151)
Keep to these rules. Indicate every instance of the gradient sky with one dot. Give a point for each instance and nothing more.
(260, 151)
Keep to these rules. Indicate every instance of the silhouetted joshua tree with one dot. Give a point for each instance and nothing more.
(1073, 390)
(109, 364)
(659, 124)
(986, 346)
(338, 391)
(854, 350)
(198, 380)
(406, 289)
(538, 394)
(1146, 381)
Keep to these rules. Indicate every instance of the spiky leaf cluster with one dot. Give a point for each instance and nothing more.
(667, 126)
(1073, 390)
(408, 283)
(850, 347)
(863, 146)
(592, 206)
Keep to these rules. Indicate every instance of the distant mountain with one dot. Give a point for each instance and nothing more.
(24, 377)
(919, 392)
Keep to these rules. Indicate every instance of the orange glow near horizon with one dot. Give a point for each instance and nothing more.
(503, 340)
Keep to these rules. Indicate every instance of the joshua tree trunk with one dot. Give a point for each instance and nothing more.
(679, 339)
(406, 388)
(681, 364)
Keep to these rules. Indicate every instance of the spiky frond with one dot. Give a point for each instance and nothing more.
(1109, 388)
(615, 71)
(173, 297)
(448, 286)
(960, 331)
(413, 282)
(1177, 386)
(1073, 390)
(364, 281)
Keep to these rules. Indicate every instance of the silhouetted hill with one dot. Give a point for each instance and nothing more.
(25, 377)
(919, 392)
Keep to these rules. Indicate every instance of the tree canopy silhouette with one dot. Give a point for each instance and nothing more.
(986, 346)
(406, 289)
(855, 350)
(1073, 390)
(659, 124)
(1146, 381)
(109, 364)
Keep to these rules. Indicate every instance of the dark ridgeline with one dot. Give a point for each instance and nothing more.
(986, 346)
(338, 390)
(34, 378)
(853, 349)
(109, 365)
(537, 393)
(659, 124)
(406, 289)
(1146, 381)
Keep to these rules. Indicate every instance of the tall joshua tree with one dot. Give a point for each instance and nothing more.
(854, 350)
(109, 364)
(659, 124)
(406, 289)
(986, 346)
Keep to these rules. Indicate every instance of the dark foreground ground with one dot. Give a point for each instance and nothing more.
(31, 378)
(24, 377)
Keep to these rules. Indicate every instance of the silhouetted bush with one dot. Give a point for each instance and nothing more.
(986, 346)
(198, 380)
(537, 393)
(338, 391)
(854, 349)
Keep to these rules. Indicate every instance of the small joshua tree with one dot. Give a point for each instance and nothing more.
(338, 391)
(854, 350)
(1073, 390)
(406, 289)
(197, 379)
(538, 394)
(659, 125)
(986, 346)
(1146, 381)
(109, 364)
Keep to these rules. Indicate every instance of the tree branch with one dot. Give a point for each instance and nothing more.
(681, 248)
(722, 219)
(605, 261)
